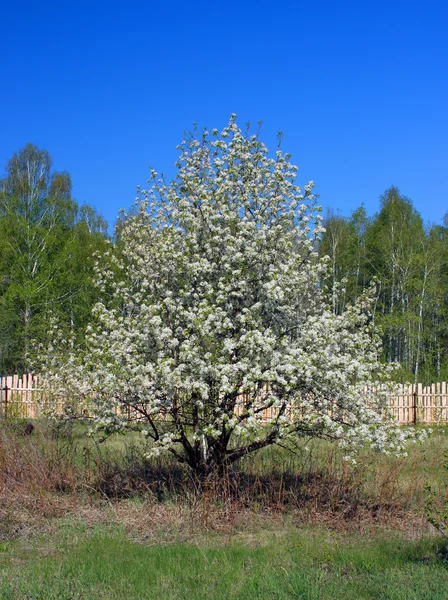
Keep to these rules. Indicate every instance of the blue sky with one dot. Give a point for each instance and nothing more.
(360, 90)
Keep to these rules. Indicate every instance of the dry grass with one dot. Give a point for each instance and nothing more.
(47, 478)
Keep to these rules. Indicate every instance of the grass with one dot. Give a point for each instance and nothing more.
(81, 521)
(280, 564)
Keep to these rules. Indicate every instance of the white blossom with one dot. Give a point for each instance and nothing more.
(214, 330)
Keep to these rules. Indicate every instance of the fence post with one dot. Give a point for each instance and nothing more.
(6, 399)
(414, 407)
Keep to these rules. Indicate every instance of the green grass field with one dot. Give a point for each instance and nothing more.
(285, 563)
(84, 522)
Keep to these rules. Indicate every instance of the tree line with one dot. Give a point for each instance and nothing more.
(408, 261)
(48, 242)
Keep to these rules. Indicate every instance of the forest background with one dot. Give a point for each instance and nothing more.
(48, 244)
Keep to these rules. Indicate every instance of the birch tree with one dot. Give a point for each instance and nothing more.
(40, 243)
(394, 244)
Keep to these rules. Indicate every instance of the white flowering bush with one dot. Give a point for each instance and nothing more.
(213, 331)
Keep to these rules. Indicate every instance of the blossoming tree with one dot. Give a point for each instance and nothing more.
(214, 332)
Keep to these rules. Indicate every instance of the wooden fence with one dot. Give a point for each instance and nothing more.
(21, 397)
(421, 404)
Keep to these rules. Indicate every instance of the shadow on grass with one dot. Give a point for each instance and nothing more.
(323, 489)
